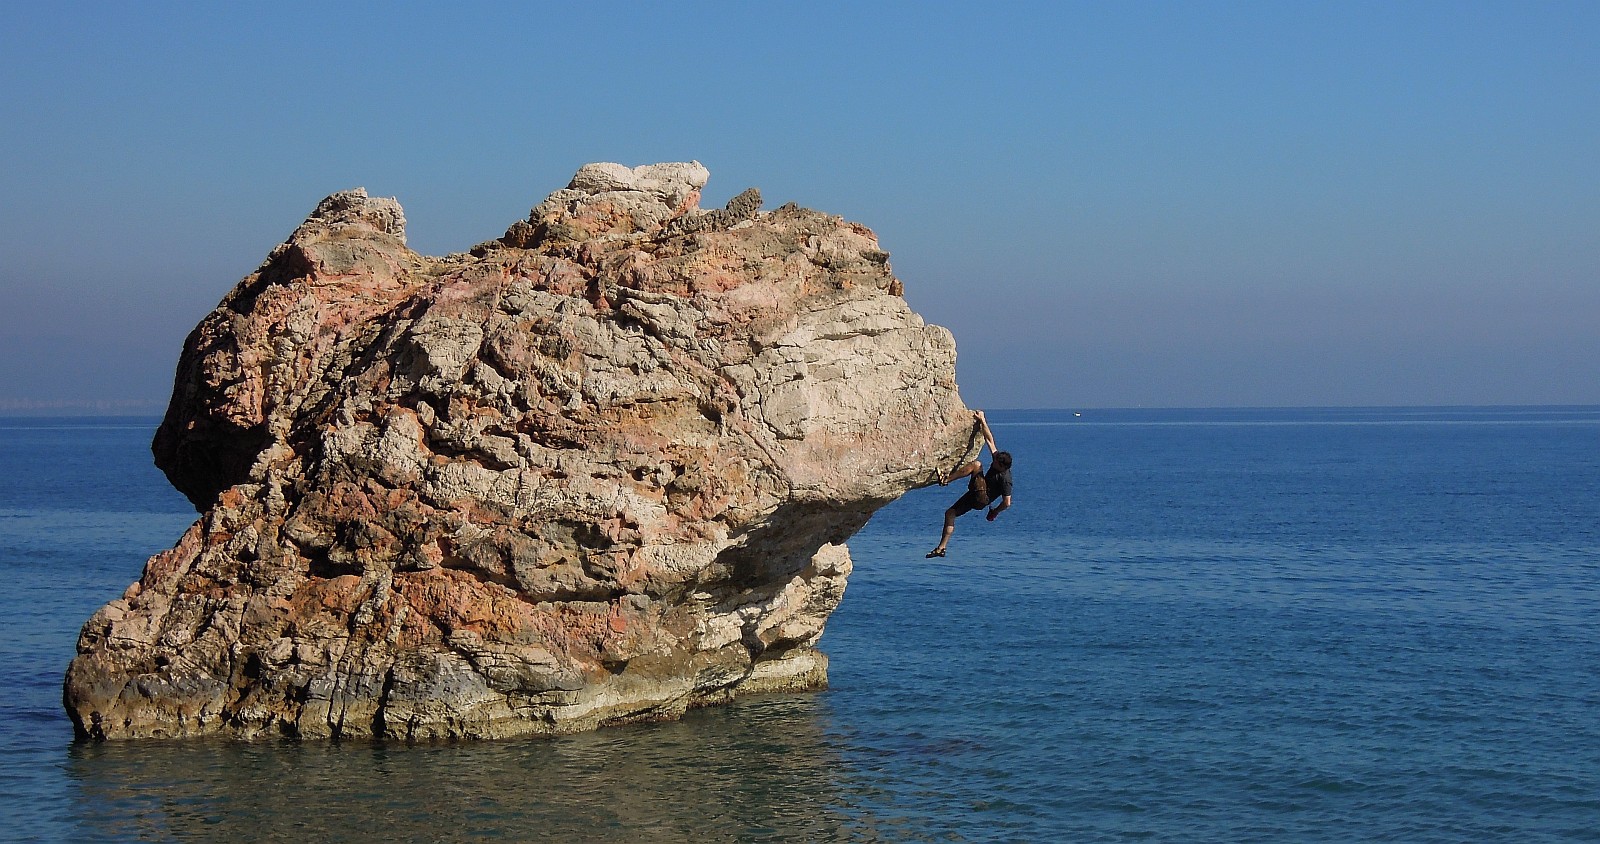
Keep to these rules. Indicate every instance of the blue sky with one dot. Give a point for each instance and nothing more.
(1110, 204)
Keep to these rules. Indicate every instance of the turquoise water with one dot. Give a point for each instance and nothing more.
(1247, 625)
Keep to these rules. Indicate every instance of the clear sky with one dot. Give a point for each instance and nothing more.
(1111, 204)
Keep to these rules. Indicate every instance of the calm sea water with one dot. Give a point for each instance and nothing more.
(1251, 625)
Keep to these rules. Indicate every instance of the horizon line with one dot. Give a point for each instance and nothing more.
(134, 408)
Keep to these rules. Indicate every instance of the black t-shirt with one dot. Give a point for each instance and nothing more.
(999, 483)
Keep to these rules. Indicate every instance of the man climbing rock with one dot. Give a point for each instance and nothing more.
(984, 487)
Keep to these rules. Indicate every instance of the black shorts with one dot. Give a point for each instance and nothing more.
(969, 502)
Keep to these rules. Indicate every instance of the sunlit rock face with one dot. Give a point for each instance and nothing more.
(598, 470)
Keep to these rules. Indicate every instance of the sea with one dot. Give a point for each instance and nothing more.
(1280, 625)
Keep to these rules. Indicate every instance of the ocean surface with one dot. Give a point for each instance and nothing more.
(1204, 625)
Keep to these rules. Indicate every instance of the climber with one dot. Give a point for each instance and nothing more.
(984, 487)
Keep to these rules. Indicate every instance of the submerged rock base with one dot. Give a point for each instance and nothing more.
(598, 470)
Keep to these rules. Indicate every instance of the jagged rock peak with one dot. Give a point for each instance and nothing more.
(614, 200)
(671, 183)
(354, 207)
(597, 473)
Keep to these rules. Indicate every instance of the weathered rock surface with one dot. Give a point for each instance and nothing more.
(596, 471)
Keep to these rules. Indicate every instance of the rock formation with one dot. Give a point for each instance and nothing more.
(598, 470)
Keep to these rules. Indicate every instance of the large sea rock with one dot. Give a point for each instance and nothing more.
(599, 470)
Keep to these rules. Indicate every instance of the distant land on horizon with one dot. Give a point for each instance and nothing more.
(153, 411)
(85, 408)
